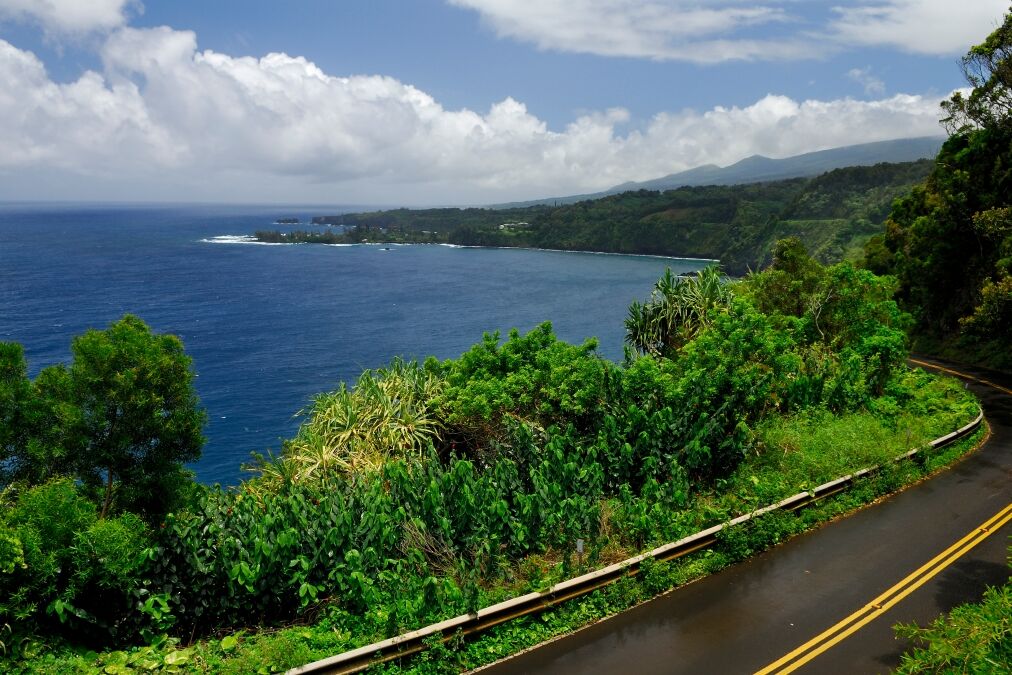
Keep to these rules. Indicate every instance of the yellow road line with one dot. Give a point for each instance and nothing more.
(959, 374)
(886, 600)
(909, 584)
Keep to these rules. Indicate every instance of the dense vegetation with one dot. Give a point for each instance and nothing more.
(435, 220)
(299, 237)
(426, 490)
(950, 241)
(835, 214)
(121, 420)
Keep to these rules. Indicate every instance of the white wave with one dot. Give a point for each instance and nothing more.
(240, 239)
(563, 250)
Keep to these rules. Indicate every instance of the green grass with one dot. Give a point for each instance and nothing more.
(801, 452)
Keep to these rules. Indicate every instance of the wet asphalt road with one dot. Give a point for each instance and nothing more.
(752, 614)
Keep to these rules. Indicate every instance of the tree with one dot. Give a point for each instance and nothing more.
(950, 241)
(15, 396)
(988, 69)
(136, 418)
(31, 423)
(791, 283)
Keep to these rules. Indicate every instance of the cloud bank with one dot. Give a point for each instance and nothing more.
(164, 112)
(730, 30)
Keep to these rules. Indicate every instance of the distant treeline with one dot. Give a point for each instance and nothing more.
(434, 220)
(298, 237)
(834, 214)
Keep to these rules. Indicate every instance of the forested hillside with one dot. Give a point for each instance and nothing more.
(834, 214)
(950, 241)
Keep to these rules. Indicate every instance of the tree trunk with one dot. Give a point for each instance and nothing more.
(108, 495)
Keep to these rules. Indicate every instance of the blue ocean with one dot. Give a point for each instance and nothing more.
(269, 326)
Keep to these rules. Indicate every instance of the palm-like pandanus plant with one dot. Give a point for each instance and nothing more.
(678, 309)
(386, 415)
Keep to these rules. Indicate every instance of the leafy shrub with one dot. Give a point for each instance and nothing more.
(973, 638)
(107, 561)
(728, 377)
(992, 318)
(757, 534)
(40, 529)
(12, 554)
(66, 571)
(534, 378)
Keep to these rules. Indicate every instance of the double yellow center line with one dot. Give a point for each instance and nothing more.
(882, 603)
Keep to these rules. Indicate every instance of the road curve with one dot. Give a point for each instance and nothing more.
(839, 588)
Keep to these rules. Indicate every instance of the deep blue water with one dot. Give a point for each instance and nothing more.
(269, 326)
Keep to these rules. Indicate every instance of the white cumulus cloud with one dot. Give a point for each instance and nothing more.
(69, 16)
(169, 119)
(89, 124)
(778, 126)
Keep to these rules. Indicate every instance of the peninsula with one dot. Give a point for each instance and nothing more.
(835, 213)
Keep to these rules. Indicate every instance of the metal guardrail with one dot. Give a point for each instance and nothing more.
(412, 642)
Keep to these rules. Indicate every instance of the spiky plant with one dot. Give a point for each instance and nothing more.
(678, 309)
(388, 414)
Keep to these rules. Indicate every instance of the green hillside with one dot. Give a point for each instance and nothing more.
(834, 214)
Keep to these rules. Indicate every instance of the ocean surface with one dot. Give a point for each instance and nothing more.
(269, 326)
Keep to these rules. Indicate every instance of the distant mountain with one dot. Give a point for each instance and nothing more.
(757, 168)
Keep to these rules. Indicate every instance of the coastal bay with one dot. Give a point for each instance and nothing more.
(269, 326)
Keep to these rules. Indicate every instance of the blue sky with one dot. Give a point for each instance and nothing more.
(455, 101)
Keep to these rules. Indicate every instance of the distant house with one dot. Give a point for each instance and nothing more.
(513, 226)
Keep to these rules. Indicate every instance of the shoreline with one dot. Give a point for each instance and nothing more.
(249, 239)
(568, 250)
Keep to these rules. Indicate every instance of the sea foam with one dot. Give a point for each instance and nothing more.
(240, 239)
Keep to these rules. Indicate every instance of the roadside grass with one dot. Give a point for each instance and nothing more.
(972, 638)
(789, 454)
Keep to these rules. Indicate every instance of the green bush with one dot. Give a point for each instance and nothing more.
(973, 638)
(40, 529)
(107, 560)
(533, 378)
(65, 571)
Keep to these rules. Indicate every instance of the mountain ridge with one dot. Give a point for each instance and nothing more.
(759, 168)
